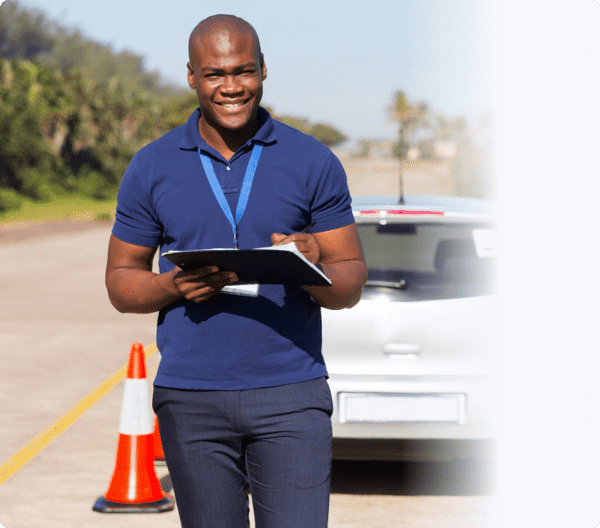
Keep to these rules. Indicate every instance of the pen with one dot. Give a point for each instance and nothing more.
(308, 228)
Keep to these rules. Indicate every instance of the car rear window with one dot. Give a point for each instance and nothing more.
(426, 261)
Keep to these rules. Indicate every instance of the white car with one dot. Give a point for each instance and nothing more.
(410, 366)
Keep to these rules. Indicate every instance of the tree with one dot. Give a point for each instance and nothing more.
(409, 117)
(296, 122)
(26, 34)
(59, 134)
(98, 63)
(177, 111)
(447, 129)
(23, 33)
(327, 135)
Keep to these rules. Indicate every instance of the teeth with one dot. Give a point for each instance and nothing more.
(229, 105)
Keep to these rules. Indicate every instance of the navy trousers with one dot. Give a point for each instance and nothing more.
(274, 441)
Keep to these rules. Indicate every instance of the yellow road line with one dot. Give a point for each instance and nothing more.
(59, 426)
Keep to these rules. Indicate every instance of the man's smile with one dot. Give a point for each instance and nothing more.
(233, 105)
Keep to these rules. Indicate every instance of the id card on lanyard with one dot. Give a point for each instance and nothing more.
(235, 289)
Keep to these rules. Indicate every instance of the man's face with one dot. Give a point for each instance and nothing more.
(227, 73)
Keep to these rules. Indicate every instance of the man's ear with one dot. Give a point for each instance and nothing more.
(263, 67)
(190, 76)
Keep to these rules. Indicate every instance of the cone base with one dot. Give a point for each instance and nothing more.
(103, 505)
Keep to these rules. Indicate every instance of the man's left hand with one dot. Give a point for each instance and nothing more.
(340, 254)
(305, 242)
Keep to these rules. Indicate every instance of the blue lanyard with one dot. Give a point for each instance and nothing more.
(245, 192)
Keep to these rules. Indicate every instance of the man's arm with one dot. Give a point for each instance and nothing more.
(134, 288)
(340, 253)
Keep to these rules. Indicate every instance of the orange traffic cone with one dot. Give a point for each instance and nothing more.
(134, 487)
(159, 454)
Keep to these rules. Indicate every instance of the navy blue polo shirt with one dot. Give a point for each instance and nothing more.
(232, 342)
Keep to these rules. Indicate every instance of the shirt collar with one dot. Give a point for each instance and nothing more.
(192, 140)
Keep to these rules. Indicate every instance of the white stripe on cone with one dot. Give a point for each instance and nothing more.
(136, 413)
(132, 484)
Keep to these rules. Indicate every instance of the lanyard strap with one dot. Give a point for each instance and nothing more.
(245, 192)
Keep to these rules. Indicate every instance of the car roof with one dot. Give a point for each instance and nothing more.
(424, 207)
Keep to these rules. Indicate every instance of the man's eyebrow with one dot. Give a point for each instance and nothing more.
(236, 69)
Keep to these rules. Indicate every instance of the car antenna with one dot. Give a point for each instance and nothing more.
(401, 182)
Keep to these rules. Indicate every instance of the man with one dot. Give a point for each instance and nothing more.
(241, 392)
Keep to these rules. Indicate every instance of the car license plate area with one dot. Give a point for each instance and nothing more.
(381, 407)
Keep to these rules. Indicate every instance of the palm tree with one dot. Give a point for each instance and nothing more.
(409, 118)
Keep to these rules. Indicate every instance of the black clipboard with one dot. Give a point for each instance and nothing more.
(268, 265)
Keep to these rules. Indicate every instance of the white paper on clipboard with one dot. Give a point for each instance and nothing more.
(246, 290)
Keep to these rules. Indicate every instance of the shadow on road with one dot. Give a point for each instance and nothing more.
(455, 478)
(166, 484)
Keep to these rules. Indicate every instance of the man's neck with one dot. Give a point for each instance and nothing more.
(227, 142)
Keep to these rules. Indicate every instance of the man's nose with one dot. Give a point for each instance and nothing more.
(231, 85)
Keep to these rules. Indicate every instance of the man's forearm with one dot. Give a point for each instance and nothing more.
(140, 291)
(347, 281)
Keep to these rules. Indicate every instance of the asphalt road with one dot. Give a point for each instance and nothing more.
(60, 338)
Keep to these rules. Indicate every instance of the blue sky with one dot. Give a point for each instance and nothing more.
(332, 62)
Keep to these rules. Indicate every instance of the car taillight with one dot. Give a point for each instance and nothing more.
(398, 212)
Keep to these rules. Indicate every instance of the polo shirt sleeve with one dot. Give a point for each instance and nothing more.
(331, 207)
(136, 221)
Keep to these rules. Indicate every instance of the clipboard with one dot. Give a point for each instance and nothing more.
(267, 265)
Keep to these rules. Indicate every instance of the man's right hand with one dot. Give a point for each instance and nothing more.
(134, 288)
(201, 284)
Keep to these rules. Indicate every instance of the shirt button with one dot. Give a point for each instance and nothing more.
(228, 167)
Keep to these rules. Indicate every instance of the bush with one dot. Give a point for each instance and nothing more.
(65, 136)
(10, 200)
(91, 184)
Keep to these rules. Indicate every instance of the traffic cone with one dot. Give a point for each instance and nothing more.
(134, 487)
(159, 454)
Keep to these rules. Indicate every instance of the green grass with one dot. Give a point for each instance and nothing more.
(63, 208)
